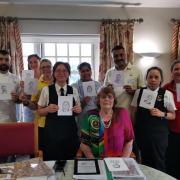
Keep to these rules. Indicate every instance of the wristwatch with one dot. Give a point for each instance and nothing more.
(165, 115)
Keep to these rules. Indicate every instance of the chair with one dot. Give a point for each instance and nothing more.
(18, 138)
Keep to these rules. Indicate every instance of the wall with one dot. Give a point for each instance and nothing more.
(154, 34)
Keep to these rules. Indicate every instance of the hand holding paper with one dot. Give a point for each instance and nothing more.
(52, 108)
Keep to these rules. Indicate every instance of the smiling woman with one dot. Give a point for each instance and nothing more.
(102, 127)
(61, 141)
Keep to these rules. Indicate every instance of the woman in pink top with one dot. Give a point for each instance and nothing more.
(107, 131)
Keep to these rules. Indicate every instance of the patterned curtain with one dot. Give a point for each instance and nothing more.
(10, 40)
(114, 32)
(175, 50)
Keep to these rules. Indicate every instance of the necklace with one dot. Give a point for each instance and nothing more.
(106, 124)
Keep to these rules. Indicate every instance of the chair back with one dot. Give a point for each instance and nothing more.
(17, 138)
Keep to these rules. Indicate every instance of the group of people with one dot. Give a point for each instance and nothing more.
(106, 124)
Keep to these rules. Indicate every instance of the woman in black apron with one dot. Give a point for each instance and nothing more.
(61, 139)
(151, 124)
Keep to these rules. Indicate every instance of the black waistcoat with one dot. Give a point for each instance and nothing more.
(61, 127)
(147, 125)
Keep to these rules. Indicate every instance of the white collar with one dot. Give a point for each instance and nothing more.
(59, 87)
(156, 90)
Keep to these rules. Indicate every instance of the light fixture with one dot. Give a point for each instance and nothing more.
(150, 54)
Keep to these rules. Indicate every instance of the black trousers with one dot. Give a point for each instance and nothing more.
(173, 155)
(153, 151)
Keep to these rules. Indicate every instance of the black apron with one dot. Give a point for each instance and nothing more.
(61, 139)
(152, 133)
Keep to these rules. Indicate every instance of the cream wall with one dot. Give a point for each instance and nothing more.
(155, 28)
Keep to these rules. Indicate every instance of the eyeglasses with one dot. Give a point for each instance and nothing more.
(45, 67)
(107, 96)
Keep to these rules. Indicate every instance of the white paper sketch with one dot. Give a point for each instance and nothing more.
(130, 82)
(178, 91)
(27, 74)
(86, 167)
(118, 79)
(116, 164)
(65, 104)
(89, 88)
(30, 86)
(148, 99)
(5, 91)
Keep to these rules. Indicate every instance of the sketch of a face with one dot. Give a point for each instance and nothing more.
(148, 99)
(28, 75)
(89, 89)
(30, 85)
(118, 78)
(116, 164)
(65, 106)
(3, 89)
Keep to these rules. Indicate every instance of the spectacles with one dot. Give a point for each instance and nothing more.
(45, 67)
(107, 96)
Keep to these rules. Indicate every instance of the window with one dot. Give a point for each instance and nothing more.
(73, 50)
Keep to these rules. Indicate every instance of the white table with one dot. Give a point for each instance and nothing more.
(150, 173)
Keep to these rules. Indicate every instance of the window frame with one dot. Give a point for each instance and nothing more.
(94, 40)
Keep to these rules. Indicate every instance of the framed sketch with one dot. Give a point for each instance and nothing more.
(65, 104)
(89, 88)
(118, 79)
(30, 86)
(27, 74)
(5, 91)
(148, 99)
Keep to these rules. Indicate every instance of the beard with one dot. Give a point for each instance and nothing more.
(120, 62)
(4, 67)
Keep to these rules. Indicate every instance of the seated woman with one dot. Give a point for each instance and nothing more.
(107, 131)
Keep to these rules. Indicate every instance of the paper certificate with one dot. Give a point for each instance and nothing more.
(178, 91)
(118, 79)
(65, 104)
(30, 86)
(89, 88)
(148, 99)
(27, 74)
(116, 164)
(5, 91)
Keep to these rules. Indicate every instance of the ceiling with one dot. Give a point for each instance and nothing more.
(109, 3)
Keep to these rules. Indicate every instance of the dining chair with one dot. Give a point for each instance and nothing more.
(18, 138)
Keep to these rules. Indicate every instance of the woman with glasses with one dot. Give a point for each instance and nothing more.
(61, 139)
(106, 131)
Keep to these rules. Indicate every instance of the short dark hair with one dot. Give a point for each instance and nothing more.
(158, 69)
(83, 64)
(66, 65)
(4, 52)
(117, 47)
(177, 61)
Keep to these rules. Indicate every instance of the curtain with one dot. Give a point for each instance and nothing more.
(10, 40)
(175, 50)
(114, 32)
